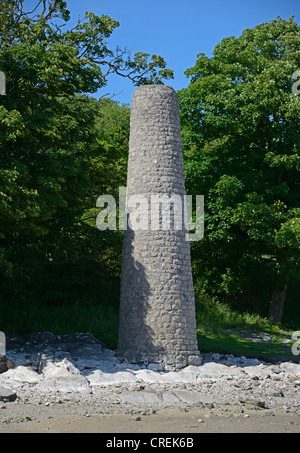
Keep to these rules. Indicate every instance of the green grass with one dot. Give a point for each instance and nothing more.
(215, 318)
(230, 344)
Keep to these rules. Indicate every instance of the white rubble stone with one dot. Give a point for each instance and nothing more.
(64, 377)
(86, 369)
(150, 376)
(218, 370)
(21, 374)
(98, 377)
(291, 368)
(7, 394)
(258, 371)
(60, 369)
(67, 384)
(180, 376)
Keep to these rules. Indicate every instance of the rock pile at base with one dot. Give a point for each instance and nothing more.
(47, 365)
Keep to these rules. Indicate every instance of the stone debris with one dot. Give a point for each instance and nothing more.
(7, 395)
(62, 372)
(5, 364)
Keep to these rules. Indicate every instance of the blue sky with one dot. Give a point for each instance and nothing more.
(177, 29)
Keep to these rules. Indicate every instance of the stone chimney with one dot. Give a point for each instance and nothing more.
(157, 307)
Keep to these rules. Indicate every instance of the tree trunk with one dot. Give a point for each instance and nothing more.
(278, 299)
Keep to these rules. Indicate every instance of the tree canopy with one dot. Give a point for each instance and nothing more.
(60, 148)
(241, 128)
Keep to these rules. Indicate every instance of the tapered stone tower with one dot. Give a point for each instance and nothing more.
(157, 307)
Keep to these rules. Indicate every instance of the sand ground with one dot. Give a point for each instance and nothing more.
(170, 421)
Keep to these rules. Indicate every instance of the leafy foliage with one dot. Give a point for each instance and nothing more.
(241, 139)
(60, 150)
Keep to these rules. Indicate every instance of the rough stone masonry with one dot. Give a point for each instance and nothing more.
(157, 307)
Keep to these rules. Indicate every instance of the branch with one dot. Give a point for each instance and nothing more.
(44, 150)
(26, 14)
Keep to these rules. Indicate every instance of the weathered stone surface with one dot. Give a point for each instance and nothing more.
(98, 377)
(149, 376)
(140, 398)
(60, 369)
(258, 371)
(293, 368)
(93, 357)
(193, 398)
(62, 380)
(157, 307)
(7, 394)
(5, 364)
(21, 375)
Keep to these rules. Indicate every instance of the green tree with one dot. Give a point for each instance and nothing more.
(56, 155)
(240, 124)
